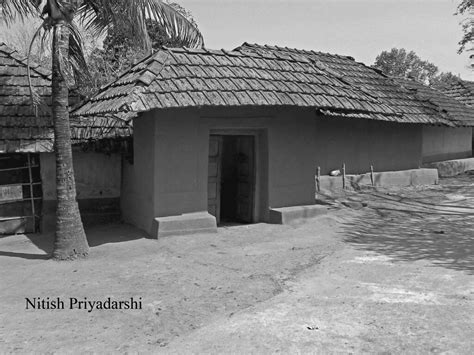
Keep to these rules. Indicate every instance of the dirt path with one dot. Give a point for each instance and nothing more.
(378, 279)
(355, 301)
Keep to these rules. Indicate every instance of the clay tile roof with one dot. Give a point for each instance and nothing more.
(457, 110)
(462, 91)
(20, 129)
(194, 78)
(387, 92)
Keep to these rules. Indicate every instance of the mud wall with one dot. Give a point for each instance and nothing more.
(170, 171)
(358, 144)
(138, 178)
(446, 143)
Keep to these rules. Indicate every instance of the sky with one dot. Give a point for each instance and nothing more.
(359, 28)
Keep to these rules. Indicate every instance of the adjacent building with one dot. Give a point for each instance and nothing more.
(442, 143)
(27, 161)
(463, 91)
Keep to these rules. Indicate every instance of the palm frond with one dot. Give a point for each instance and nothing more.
(10, 10)
(171, 19)
(76, 53)
(43, 33)
(98, 15)
(34, 96)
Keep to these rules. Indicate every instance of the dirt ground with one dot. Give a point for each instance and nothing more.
(383, 272)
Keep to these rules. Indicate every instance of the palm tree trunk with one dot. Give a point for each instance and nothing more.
(70, 240)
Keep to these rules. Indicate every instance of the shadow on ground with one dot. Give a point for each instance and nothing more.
(25, 255)
(113, 233)
(444, 240)
(96, 236)
(40, 244)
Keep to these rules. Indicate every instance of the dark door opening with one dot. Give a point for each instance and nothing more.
(232, 178)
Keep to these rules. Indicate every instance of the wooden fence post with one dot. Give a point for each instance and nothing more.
(32, 198)
(318, 177)
(344, 176)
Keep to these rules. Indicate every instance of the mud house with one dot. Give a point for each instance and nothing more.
(27, 162)
(230, 136)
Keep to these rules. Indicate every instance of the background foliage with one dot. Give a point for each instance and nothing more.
(120, 50)
(407, 64)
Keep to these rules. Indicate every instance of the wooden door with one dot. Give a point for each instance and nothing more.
(246, 178)
(214, 176)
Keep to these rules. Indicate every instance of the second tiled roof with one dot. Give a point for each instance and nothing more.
(458, 111)
(405, 103)
(462, 91)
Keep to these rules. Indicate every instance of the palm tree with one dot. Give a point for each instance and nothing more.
(67, 59)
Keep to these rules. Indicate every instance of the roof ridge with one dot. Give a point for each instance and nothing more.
(147, 75)
(292, 49)
(123, 73)
(201, 50)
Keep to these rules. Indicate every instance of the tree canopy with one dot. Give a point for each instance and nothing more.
(466, 9)
(407, 64)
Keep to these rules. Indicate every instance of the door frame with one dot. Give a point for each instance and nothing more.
(218, 177)
(260, 208)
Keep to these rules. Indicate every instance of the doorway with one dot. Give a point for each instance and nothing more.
(232, 177)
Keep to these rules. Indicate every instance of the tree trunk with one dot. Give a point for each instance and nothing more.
(70, 239)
